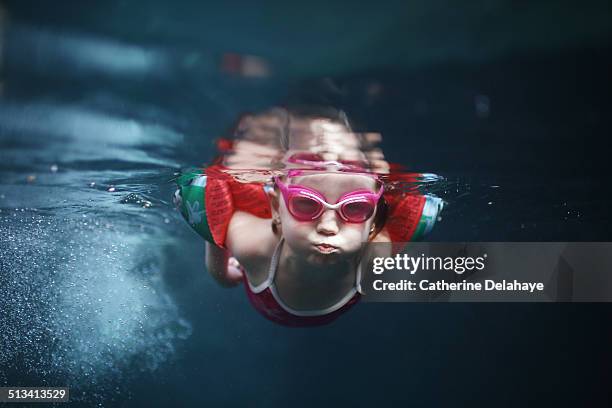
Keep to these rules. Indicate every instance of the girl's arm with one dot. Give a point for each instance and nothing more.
(249, 239)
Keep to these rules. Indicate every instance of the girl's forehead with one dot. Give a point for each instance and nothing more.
(335, 184)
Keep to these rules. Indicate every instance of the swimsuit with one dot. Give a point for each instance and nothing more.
(265, 298)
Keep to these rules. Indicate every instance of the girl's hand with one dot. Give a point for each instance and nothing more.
(226, 269)
(235, 272)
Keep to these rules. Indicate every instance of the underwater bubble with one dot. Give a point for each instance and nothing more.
(51, 329)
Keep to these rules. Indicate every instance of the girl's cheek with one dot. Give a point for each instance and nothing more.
(351, 239)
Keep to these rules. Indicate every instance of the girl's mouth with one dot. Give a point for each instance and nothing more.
(326, 248)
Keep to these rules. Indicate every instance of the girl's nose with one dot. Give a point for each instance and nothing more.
(328, 223)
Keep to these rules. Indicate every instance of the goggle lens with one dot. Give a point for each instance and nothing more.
(357, 211)
(304, 208)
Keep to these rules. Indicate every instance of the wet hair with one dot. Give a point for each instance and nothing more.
(380, 219)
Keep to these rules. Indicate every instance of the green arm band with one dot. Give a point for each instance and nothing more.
(431, 210)
(191, 202)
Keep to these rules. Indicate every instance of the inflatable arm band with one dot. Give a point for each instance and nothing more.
(208, 201)
(206, 204)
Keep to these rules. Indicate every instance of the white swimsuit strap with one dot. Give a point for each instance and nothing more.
(271, 270)
(358, 278)
(319, 312)
(270, 283)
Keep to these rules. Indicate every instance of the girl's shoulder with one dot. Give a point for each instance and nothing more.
(251, 241)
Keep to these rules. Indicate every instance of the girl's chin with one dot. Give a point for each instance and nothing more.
(323, 258)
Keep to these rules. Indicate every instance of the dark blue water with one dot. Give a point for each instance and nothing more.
(102, 284)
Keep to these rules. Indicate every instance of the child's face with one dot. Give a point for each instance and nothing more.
(327, 239)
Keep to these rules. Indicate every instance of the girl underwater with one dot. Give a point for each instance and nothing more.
(287, 207)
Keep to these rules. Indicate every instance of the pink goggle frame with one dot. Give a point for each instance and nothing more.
(306, 204)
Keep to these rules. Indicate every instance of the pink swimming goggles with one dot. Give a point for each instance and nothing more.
(306, 204)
